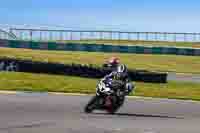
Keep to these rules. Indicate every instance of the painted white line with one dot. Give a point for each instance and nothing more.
(68, 94)
(8, 92)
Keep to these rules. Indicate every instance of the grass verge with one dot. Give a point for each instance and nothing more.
(167, 63)
(139, 42)
(67, 84)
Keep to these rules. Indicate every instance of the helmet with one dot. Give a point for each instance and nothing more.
(113, 60)
(121, 69)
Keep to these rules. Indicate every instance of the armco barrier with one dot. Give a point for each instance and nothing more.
(100, 48)
(8, 64)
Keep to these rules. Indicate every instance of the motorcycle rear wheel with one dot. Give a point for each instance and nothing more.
(115, 108)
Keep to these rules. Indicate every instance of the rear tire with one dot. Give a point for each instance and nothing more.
(113, 110)
(91, 105)
(116, 107)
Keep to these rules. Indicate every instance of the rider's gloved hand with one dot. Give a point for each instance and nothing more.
(129, 88)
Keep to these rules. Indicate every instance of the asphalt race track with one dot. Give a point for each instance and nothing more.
(46, 113)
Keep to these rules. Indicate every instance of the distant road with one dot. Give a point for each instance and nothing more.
(42, 113)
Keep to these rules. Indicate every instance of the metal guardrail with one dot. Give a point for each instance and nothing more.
(63, 35)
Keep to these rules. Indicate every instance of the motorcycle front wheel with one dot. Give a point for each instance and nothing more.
(91, 105)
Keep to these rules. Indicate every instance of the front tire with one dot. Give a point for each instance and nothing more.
(91, 105)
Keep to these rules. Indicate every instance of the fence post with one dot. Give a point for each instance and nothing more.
(71, 36)
(156, 37)
(50, 36)
(31, 35)
(138, 36)
(129, 37)
(61, 36)
(198, 37)
(194, 37)
(147, 36)
(165, 36)
(174, 37)
(119, 36)
(185, 37)
(10, 32)
(91, 35)
(80, 36)
(111, 35)
(101, 35)
(20, 35)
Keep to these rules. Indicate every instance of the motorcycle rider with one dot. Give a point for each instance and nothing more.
(121, 73)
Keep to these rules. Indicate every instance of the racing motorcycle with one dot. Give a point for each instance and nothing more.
(110, 96)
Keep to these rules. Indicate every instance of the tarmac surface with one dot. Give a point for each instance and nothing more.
(48, 113)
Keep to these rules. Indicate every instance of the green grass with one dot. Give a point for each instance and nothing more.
(180, 64)
(139, 42)
(51, 83)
